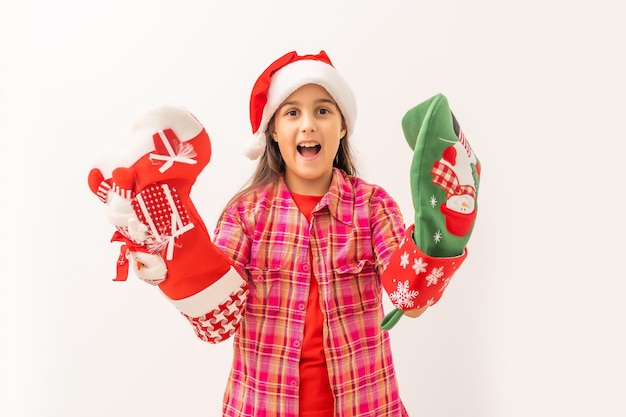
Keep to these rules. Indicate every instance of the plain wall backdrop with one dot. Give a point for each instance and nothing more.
(533, 322)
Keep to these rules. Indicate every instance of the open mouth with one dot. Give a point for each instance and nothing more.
(309, 150)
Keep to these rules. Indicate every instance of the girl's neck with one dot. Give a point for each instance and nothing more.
(303, 186)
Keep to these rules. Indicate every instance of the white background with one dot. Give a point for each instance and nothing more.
(532, 324)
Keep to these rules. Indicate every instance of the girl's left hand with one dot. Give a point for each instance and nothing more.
(415, 313)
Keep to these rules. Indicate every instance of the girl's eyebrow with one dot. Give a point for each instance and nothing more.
(318, 101)
(326, 100)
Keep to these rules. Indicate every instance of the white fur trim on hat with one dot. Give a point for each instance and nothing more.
(293, 76)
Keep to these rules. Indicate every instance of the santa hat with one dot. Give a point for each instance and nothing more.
(283, 77)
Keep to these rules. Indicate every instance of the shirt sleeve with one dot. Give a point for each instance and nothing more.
(387, 227)
(232, 239)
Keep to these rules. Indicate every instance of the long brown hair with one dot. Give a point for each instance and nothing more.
(272, 165)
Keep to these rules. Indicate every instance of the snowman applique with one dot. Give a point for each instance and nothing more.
(458, 172)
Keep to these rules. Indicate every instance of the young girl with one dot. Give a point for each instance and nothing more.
(294, 270)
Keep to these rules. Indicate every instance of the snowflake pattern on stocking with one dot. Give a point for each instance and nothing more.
(444, 285)
(433, 277)
(419, 265)
(403, 297)
(404, 260)
(414, 279)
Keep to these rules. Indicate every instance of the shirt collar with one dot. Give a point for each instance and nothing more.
(339, 198)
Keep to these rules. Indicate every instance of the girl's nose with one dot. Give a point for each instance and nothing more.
(308, 122)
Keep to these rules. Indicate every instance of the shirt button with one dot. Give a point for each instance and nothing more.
(293, 383)
(297, 344)
(301, 306)
(305, 268)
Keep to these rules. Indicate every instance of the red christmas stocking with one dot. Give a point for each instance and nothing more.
(145, 181)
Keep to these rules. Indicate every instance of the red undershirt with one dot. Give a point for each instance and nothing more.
(316, 396)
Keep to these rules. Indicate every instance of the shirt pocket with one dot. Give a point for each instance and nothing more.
(356, 287)
(264, 295)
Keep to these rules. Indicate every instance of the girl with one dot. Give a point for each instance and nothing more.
(310, 238)
(294, 271)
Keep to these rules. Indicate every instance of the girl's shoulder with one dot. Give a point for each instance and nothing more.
(256, 198)
(366, 189)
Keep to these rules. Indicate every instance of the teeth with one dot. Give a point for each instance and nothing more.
(308, 145)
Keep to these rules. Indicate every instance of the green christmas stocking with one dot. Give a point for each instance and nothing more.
(445, 174)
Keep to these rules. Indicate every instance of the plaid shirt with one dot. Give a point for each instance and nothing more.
(355, 228)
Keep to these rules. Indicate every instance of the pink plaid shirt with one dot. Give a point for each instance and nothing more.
(355, 229)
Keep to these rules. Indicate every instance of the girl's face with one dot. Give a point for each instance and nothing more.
(308, 127)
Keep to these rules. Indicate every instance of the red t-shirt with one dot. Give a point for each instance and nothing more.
(316, 396)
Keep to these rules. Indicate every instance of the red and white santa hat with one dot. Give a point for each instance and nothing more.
(283, 77)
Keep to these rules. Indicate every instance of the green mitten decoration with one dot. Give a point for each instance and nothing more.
(445, 174)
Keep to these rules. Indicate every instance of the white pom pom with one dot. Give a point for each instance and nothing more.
(255, 146)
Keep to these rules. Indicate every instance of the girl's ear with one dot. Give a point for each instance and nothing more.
(342, 133)
(274, 136)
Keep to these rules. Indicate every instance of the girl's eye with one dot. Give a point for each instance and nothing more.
(324, 111)
(292, 113)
